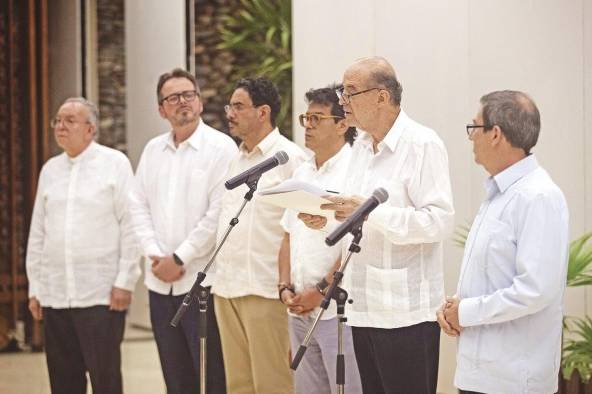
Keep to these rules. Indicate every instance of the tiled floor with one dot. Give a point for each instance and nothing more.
(26, 373)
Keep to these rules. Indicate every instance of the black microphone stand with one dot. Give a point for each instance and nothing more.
(340, 296)
(203, 293)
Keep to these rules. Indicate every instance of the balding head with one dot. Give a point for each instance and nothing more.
(377, 72)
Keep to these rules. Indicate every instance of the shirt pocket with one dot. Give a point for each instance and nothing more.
(387, 289)
(499, 261)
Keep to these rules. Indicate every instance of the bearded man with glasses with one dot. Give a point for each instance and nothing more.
(175, 206)
(253, 322)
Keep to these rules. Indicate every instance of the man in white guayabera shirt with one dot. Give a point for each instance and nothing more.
(253, 322)
(396, 281)
(306, 263)
(508, 310)
(175, 208)
(82, 257)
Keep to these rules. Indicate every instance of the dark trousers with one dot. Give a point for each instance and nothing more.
(178, 348)
(78, 340)
(399, 360)
(468, 392)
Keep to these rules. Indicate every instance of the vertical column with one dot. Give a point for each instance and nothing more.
(155, 42)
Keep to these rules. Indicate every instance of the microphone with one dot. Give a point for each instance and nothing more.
(257, 170)
(379, 196)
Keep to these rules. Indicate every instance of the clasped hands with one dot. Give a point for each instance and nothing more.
(447, 317)
(165, 268)
(302, 303)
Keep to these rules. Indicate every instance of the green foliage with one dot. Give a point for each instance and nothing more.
(577, 351)
(260, 36)
(579, 271)
(460, 234)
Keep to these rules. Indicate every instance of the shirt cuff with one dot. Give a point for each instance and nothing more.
(33, 290)
(153, 250)
(127, 280)
(185, 252)
(380, 217)
(468, 312)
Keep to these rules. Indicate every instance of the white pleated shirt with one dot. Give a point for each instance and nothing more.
(248, 262)
(81, 243)
(176, 200)
(397, 278)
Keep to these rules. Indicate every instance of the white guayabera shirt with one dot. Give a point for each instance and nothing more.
(397, 278)
(248, 262)
(310, 258)
(81, 242)
(511, 285)
(175, 203)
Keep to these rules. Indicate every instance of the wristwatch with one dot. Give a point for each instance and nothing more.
(178, 260)
(284, 286)
(322, 286)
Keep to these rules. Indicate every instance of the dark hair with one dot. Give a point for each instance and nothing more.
(388, 82)
(262, 92)
(176, 73)
(516, 114)
(327, 96)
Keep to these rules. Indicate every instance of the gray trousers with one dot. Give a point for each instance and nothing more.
(317, 370)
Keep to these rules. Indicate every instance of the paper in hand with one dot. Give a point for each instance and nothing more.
(297, 195)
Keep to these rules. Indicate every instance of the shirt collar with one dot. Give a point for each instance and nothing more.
(265, 145)
(502, 181)
(392, 136)
(193, 140)
(87, 152)
(345, 149)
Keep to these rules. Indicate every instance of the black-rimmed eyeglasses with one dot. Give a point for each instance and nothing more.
(175, 98)
(346, 97)
(471, 128)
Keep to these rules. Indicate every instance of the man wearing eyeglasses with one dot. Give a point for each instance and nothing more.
(508, 310)
(253, 322)
(396, 281)
(82, 256)
(175, 208)
(306, 263)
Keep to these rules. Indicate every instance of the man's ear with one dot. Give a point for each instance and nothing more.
(341, 127)
(496, 135)
(384, 97)
(264, 112)
(161, 111)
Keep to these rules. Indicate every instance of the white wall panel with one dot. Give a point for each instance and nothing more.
(449, 53)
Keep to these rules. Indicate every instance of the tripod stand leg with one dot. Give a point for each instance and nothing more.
(203, 295)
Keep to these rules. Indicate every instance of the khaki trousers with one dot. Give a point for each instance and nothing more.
(255, 345)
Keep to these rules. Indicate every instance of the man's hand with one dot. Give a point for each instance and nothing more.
(120, 299)
(305, 301)
(35, 308)
(451, 313)
(315, 222)
(287, 297)
(165, 269)
(343, 206)
(444, 325)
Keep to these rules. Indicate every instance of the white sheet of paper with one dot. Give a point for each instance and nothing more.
(297, 195)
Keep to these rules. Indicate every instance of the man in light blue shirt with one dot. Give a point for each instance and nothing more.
(508, 310)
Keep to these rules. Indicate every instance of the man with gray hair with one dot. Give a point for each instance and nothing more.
(508, 309)
(82, 257)
(396, 281)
